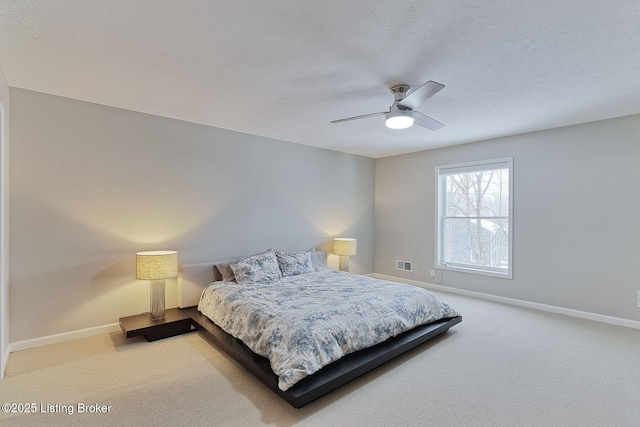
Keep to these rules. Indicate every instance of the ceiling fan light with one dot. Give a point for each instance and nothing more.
(399, 120)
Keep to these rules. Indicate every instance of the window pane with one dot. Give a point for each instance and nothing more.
(474, 213)
(481, 193)
(477, 242)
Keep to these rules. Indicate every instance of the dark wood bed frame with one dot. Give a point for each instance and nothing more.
(331, 376)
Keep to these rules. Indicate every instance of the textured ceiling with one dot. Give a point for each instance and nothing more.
(284, 69)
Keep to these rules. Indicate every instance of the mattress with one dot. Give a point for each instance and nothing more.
(304, 322)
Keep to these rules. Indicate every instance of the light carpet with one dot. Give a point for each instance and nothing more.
(502, 366)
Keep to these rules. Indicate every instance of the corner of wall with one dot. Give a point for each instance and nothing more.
(4, 221)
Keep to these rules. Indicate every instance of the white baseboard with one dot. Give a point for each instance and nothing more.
(5, 359)
(521, 303)
(65, 336)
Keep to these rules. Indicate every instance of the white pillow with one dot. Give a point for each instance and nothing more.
(314, 259)
(258, 268)
(294, 263)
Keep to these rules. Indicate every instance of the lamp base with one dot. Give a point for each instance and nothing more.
(344, 263)
(157, 299)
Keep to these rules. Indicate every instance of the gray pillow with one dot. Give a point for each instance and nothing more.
(222, 270)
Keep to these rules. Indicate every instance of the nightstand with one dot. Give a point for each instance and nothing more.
(174, 323)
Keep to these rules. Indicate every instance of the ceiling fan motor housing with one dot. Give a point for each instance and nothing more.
(400, 92)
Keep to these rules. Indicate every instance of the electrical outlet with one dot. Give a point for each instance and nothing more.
(433, 274)
(638, 299)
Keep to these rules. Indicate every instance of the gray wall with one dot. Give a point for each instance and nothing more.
(4, 223)
(91, 185)
(576, 209)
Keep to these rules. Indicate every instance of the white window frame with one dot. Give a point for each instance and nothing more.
(441, 173)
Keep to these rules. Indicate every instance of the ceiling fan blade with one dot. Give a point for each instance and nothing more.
(359, 117)
(426, 121)
(418, 96)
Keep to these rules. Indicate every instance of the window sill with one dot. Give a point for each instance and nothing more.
(505, 275)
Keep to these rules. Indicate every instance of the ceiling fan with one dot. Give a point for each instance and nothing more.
(402, 114)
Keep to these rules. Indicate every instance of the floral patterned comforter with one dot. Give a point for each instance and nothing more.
(304, 322)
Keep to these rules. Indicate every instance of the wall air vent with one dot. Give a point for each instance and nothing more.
(404, 265)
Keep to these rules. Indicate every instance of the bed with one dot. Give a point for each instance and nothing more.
(318, 328)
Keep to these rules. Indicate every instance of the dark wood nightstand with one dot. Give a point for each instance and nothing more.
(174, 323)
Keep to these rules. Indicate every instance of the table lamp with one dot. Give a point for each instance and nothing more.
(344, 247)
(157, 266)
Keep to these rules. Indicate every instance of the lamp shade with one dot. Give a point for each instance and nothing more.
(156, 265)
(344, 246)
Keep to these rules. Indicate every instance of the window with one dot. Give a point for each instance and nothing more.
(474, 217)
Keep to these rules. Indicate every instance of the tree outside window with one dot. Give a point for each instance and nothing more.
(474, 216)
